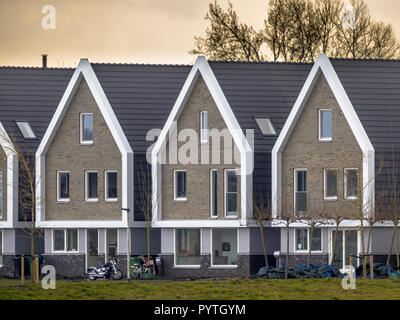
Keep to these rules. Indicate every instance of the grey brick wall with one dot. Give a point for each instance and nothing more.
(197, 205)
(303, 150)
(66, 153)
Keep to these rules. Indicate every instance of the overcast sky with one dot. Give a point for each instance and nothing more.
(142, 31)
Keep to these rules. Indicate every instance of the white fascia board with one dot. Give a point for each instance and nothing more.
(85, 70)
(323, 65)
(201, 67)
(198, 224)
(12, 179)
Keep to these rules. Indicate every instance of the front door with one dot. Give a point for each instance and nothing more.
(346, 245)
(92, 247)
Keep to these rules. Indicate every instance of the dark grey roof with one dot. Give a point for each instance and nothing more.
(30, 94)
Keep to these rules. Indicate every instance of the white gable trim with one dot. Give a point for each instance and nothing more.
(12, 180)
(201, 67)
(85, 70)
(323, 65)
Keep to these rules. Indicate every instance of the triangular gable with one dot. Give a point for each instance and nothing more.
(201, 67)
(324, 65)
(85, 70)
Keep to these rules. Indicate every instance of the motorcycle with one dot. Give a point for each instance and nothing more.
(107, 271)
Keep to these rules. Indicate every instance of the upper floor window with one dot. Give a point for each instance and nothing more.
(214, 193)
(204, 126)
(62, 186)
(86, 128)
(91, 193)
(180, 185)
(351, 184)
(111, 185)
(26, 129)
(300, 191)
(330, 184)
(325, 125)
(231, 208)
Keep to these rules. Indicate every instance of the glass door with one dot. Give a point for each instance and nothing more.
(346, 245)
(92, 247)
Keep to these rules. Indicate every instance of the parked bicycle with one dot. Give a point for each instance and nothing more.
(143, 266)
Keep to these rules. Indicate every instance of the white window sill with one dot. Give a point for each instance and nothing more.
(86, 143)
(92, 200)
(351, 199)
(180, 199)
(63, 201)
(187, 267)
(224, 266)
(325, 140)
(111, 200)
(330, 199)
(231, 217)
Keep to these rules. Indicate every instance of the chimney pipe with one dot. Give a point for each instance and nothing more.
(44, 60)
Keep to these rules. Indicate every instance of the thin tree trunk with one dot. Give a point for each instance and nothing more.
(264, 245)
(397, 246)
(391, 247)
(334, 242)
(309, 245)
(287, 251)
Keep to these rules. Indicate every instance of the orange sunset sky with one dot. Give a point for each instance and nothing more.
(132, 31)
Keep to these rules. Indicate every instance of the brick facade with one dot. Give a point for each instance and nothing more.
(66, 153)
(304, 150)
(197, 205)
(3, 170)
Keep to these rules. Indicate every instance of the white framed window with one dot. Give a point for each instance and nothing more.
(214, 193)
(302, 239)
(187, 247)
(180, 185)
(231, 190)
(351, 183)
(111, 244)
(65, 240)
(1, 195)
(25, 129)
(300, 191)
(1, 247)
(111, 185)
(266, 127)
(325, 125)
(91, 186)
(86, 128)
(330, 184)
(204, 126)
(63, 186)
(224, 244)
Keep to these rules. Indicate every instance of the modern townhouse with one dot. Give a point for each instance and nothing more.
(212, 139)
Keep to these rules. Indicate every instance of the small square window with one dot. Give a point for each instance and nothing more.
(330, 184)
(180, 185)
(25, 129)
(86, 128)
(325, 125)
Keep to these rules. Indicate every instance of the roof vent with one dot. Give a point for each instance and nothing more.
(25, 129)
(265, 126)
(44, 60)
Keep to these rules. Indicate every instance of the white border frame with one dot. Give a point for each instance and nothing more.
(1, 245)
(323, 65)
(63, 200)
(295, 187)
(320, 138)
(179, 199)
(81, 141)
(223, 266)
(22, 123)
(106, 198)
(188, 266)
(65, 241)
(201, 67)
(201, 127)
(225, 193)
(345, 184)
(87, 199)
(334, 198)
(86, 245)
(85, 70)
(211, 194)
(105, 243)
(330, 239)
(308, 240)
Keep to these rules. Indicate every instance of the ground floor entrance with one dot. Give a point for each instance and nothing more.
(343, 244)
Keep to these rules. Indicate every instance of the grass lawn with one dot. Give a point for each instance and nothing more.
(315, 289)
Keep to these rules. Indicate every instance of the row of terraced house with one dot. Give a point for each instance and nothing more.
(213, 139)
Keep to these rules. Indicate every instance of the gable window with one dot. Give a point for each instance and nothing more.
(231, 208)
(302, 238)
(111, 186)
(265, 126)
(1, 194)
(330, 184)
(187, 247)
(204, 126)
(214, 193)
(91, 186)
(351, 184)
(180, 185)
(325, 125)
(86, 128)
(25, 129)
(300, 191)
(65, 240)
(62, 186)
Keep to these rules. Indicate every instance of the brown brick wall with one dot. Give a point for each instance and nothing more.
(303, 150)
(197, 205)
(3, 169)
(66, 153)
